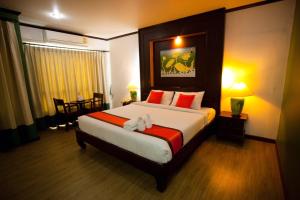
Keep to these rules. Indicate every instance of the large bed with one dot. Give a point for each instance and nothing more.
(188, 121)
(151, 154)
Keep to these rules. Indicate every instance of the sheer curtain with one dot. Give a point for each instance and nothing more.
(63, 73)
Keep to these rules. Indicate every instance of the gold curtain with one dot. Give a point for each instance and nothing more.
(63, 73)
(14, 103)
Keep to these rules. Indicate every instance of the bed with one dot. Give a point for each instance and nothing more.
(151, 154)
(188, 121)
(208, 39)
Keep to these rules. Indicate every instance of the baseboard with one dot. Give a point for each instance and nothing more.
(281, 172)
(262, 139)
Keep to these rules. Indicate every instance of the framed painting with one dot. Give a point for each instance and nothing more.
(179, 62)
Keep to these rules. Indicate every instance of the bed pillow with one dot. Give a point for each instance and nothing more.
(196, 102)
(166, 98)
(185, 101)
(155, 97)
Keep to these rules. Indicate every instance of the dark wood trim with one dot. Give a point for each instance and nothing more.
(135, 32)
(161, 172)
(227, 11)
(261, 3)
(281, 172)
(210, 31)
(60, 31)
(9, 15)
(60, 47)
(74, 33)
(124, 35)
(13, 12)
(262, 139)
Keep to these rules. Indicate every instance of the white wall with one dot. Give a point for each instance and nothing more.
(256, 52)
(125, 66)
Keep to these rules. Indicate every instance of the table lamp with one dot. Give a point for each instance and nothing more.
(237, 92)
(133, 91)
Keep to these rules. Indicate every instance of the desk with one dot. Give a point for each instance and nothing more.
(81, 104)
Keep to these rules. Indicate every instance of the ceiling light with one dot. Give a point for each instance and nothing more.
(56, 14)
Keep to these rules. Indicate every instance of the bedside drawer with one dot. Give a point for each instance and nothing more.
(233, 132)
(230, 123)
(231, 127)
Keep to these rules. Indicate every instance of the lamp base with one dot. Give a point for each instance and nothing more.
(237, 106)
(133, 95)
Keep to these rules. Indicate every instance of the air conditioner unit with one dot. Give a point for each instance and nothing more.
(30, 34)
(63, 38)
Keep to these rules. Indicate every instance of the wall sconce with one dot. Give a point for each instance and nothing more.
(178, 40)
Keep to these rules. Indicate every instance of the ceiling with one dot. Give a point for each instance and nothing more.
(109, 18)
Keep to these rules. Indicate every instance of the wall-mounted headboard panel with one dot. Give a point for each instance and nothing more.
(205, 32)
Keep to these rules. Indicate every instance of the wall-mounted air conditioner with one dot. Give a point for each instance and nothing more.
(63, 38)
(30, 34)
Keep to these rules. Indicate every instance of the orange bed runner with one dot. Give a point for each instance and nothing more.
(174, 137)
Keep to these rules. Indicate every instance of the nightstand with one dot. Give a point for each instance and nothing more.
(231, 127)
(124, 103)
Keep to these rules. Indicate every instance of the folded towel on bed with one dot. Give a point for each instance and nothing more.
(141, 126)
(131, 125)
(148, 121)
(140, 123)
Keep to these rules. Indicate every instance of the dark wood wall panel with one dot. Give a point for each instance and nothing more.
(206, 32)
(288, 139)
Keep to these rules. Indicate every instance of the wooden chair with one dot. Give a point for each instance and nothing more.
(97, 102)
(65, 112)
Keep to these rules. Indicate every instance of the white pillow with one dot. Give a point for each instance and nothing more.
(196, 102)
(166, 98)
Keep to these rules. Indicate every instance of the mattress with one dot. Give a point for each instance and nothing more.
(188, 121)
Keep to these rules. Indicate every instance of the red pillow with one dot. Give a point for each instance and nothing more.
(185, 101)
(155, 97)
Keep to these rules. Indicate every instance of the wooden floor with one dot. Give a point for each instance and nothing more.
(55, 168)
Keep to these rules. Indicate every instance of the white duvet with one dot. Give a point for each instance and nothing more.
(188, 121)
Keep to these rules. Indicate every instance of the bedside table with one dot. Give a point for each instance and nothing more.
(232, 127)
(124, 103)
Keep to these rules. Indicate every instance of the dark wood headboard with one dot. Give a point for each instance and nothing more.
(204, 31)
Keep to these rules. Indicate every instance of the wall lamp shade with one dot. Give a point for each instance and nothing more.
(238, 92)
(178, 40)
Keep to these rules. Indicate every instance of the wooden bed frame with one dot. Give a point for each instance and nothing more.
(161, 172)
(209, 27)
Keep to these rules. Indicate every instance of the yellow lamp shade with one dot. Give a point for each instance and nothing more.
(132, 86)
(240, 90)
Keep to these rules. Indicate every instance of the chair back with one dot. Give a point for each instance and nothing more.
(98, 101)
(58, 103)
(98, 95)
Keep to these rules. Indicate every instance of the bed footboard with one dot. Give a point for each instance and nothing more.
(80, 140)
(161, 172)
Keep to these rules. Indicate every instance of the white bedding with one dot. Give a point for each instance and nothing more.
(189, 121)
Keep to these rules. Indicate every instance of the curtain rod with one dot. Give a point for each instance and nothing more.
(59, 47)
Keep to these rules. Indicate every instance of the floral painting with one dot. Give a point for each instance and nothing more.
(178, 62)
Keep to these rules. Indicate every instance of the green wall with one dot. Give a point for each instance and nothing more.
(288, 141)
